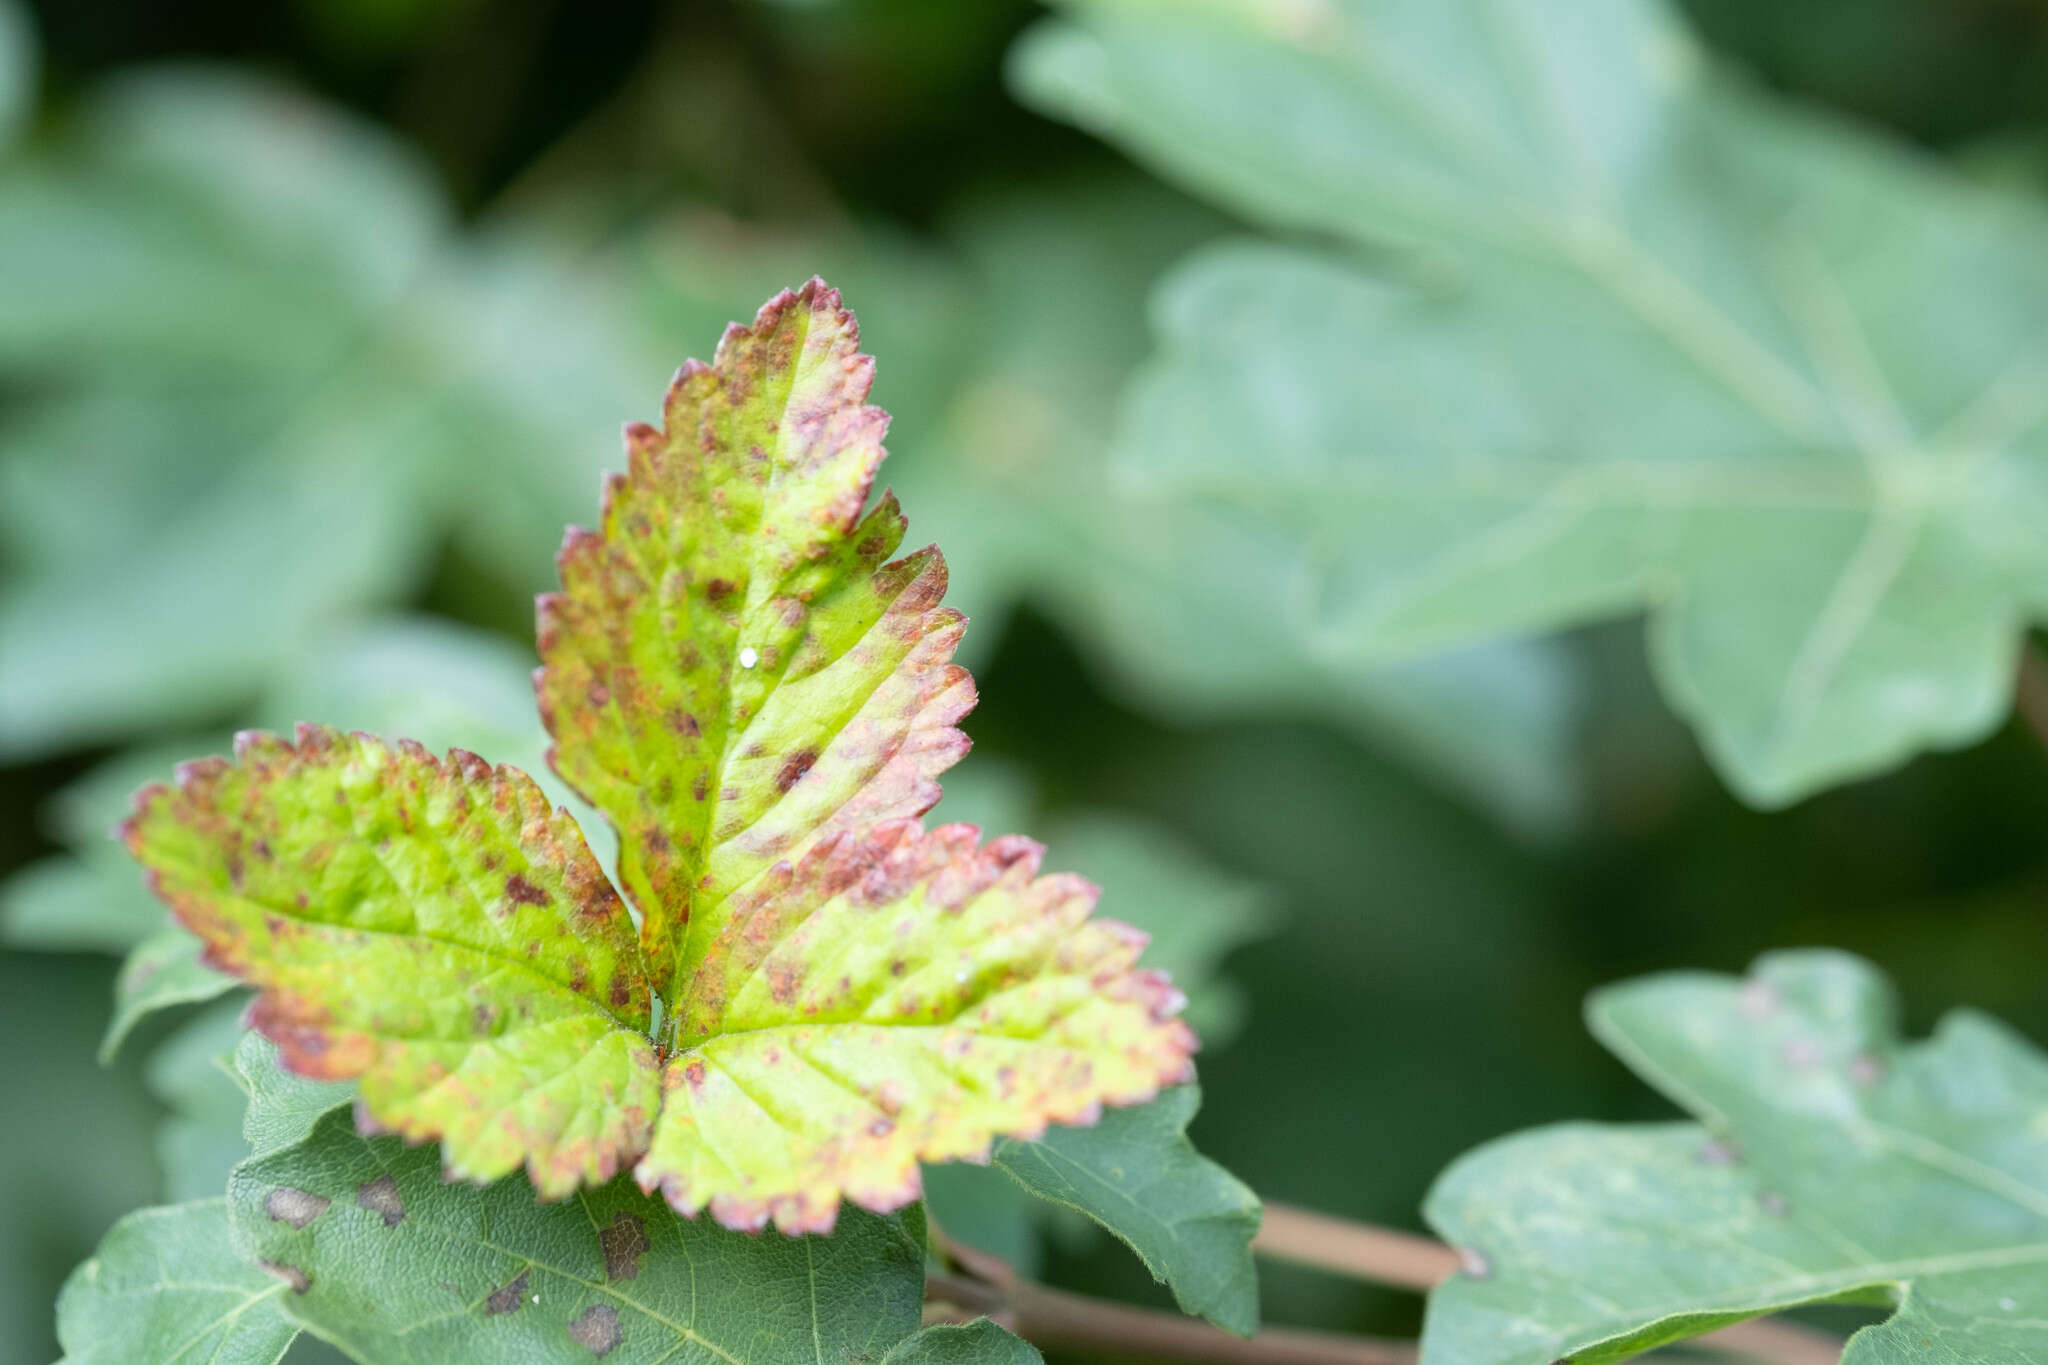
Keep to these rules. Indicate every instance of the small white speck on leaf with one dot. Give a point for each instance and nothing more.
(749, 657)
(2008, 1304)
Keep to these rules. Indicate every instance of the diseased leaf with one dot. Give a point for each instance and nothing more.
(162, 971)
(897, 996)
(845, 993)
(1190, 1221)
(733, 671)
(1799, 420)
(1833, 1162)
(980, 1342)
(167, 1287)
(429, 925)
(396, 1266)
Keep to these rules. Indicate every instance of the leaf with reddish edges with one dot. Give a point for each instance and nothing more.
(431, 926)
(733, 670)
(898, 995)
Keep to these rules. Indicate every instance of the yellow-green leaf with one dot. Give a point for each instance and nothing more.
(899, 995)
(430, 925)
(733, 669)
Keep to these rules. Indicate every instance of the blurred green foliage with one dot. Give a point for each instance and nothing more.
(317, 322)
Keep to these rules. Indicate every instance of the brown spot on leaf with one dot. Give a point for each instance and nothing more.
(718, 589)
(793, 771)
(524, 891)
(296, 1207)
(684, 724)
(298, 1279)
(701, 786)
(624, 1242)
(598, 1328)
(507, 1298)
(380, 1196)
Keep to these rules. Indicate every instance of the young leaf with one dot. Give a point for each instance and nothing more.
(733, 671)
(1800, 419)
(1190, 1221)
(980, 1342)
(1835, 1163)
(394, 1265)
(166, 1286)
(429, 925)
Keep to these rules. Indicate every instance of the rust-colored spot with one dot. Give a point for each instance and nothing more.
(598, 1328)
(701, 786)
(684, 724)
(624, 1242)
(380, 1196)
(793, 771)
(485, 1017)
(718, 589)
(507, 1298)
(621, 993)
(296, 1207)
(784, 980)
(524, 891)
(694, 1074)
(298, 1279)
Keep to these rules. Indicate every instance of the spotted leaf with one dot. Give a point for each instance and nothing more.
(430, 925)
(734, 669)
(898, 995)
(1831, 1162)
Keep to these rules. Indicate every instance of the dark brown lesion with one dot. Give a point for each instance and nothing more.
(623, 1242)
(507, 1298)
(524, 891)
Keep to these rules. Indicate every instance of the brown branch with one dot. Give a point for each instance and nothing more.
(2030, 693)
(1355, 1250)
(1057, 1320)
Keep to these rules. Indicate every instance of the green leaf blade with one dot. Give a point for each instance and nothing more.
(165, 1285)
(428, 925)
(1190, 1221)
(1836, 346)
(980, 1342)
(733, 671)
(399, 1266)
(1835, 1163)
(896, 996)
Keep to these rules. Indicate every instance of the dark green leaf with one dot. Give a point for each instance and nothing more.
(397, 1266)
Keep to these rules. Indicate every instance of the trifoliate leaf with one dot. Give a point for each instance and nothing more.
(1833, 1162)
(980, 1342)
(1796, 413)
(394, 1265)
(166, 1286)
(429, 925)
(1190, 1221)
(847, 994)
(163, 970)
(733, 670)
(898, 995)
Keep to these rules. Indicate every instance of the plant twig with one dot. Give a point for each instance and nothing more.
(2030, 693)
(1358, 1251)
(1378, 1255)
(1057, 1320)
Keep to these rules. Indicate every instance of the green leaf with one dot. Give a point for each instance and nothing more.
(282, 1106)
(733, 672)
(1836, 347)
(69, 905)
(166, 1286)
(980, 1342)
(17, 69)
(163, 970)
(1833, 1162)
(394, 1265)
(200, 1140)
(428, 925)
(1190, 1221)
